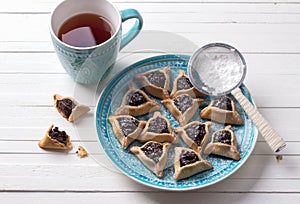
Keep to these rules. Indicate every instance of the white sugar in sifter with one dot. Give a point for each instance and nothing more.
(219, 69)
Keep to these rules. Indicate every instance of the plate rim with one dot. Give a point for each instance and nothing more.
(144, 62)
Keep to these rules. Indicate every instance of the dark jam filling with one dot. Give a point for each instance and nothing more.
(223, 136)
(196, 132)
(188, 157)
(60, 136)
(135, 99)
(128, 125)
(66, 106)
(158, 125)
(183, 83)
(183, 102)
(157, 78)
(223, 103)
(153, 151)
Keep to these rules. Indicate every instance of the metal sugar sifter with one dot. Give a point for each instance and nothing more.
(219, 69)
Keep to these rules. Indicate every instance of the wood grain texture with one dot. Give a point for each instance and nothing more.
(149, 198)
(267, 32)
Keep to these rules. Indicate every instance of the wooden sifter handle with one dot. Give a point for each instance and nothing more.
(273, 139)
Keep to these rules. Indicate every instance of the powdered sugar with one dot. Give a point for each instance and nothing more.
(219, 70)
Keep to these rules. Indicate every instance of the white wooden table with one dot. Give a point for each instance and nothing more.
(267, 32)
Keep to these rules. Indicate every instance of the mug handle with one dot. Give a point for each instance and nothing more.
(136, 28)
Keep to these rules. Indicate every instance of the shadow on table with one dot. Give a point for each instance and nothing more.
(235, 189)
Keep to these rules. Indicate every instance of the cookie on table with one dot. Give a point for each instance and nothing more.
(55, 139)
(126, 128)
(153, 155)
(183, 107)
(222, 109)
(158, 128)
(81, 152)
(69, 108)
(183, 85)
(223, 143)
(195, 134)
(188, 162)
(156, 82)
(136, 102)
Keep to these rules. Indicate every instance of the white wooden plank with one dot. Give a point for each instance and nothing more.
(93, 178)
(121, 183)
(34, 133)
(52, 165)
(29, 63)
(137, 198)
(88, 133)
(248, 38)
(242, 35)
(46, 6)
(22, 90)
(31, 147)
(39, 23)
(33, 122)
(263, 31)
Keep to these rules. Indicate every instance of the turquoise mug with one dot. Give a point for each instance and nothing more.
(89, 65)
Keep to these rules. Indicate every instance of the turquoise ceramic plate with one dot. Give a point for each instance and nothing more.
(110, 100)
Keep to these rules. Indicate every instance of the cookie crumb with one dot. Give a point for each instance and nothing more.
(279, 158)
(81, 152)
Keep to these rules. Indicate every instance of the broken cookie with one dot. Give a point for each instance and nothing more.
(55, 139)
(81, 152)
(69, 108)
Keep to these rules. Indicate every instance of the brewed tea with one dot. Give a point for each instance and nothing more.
(85, 30)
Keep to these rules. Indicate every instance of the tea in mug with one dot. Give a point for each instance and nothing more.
(85, 30)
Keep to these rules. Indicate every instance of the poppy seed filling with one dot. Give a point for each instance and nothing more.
(196, 132)
(153, 151)
(223, 102)
(60, 136)
(223, 136)
(183, 102)
(158, 125)
(135, 99)
(128, 125)
(184, 83)
(188, 157)
(66, 106)
(157, 78)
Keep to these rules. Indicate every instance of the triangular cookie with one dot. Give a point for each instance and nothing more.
(222, 110)
(69, 108)
(55, 139)
(153, 155)
(156, 82)
(126, 128)
(188, 162)
(136, 102)
(194, 134)
(182, 85)
(224, 144)
(157, 129)
(183, 107)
